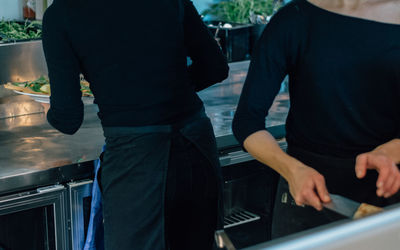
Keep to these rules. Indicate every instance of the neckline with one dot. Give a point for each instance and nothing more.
(360, 19)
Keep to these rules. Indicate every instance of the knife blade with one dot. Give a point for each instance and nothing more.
(350, 208)
(342, 205)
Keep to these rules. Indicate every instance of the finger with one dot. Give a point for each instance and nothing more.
(322, 190)
(299, 201)
(361, 166)
(383, 176)
(394, 188)
(313, 200)
(392, 176)
(387, 186)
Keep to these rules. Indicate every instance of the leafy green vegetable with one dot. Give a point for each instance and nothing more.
(33, 85)
(12, 30)
(37, 86)
(239, 11)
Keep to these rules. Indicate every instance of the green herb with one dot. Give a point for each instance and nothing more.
(12, 30)
(37, 85)
(33, 85)
(239, 11)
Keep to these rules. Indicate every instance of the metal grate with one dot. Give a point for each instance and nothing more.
(239, 217)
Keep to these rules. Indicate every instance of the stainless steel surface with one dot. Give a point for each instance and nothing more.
(342, 205)
(78, 191)
(223, 241)
(34, 154)
(221, 101)
(380, 231)
(239, 217)
(53, 196)
(21, 61)
(239, 156)
(13, 106)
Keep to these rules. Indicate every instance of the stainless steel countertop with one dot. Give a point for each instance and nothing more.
(33, 154)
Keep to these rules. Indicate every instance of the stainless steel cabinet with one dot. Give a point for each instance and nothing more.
(34, 219)
(79, 202)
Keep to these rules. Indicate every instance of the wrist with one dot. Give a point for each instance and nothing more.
(391, 150)
(290, 168)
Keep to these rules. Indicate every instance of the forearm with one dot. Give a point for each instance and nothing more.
(264, 148)
(67, 121)
(391, 149)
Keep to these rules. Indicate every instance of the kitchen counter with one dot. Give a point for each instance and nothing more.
(33, 154)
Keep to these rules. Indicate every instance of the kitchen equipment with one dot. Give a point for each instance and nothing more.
(350, 208)
(223, 240)
(380, 231)
(34, 219)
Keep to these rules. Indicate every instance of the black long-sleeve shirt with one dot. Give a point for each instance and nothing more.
(344, 80)
(134, 54)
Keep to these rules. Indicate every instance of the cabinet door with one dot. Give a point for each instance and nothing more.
(34, 219)
(79, 211)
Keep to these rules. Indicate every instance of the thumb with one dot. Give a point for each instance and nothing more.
(361, 165)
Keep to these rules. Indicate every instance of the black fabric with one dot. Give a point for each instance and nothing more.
(191, 198)
(288, 218)
(160, 189)
(344, 80)
(135, 57)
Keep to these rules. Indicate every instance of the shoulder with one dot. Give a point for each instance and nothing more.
(52, 12)
(54, 20)
(290, 18)
(292, 11)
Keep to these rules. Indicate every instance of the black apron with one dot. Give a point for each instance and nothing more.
(148, 173)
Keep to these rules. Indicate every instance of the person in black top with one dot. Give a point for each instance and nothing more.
(342, 58)
(160, 176)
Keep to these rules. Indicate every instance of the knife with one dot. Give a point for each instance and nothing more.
(350, 208)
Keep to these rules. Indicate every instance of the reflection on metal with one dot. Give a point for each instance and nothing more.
(21, 61)
(380, 231)
(221, 101)
(239, 156)
(53, 196)
(19, 106)
(223, 241)
(239, 217)
(78, 191)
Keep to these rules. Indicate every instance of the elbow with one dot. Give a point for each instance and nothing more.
(69, 130)
(222, 73)
(66, 124)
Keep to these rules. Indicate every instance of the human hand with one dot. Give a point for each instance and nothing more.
(388, 182)
(308, 187)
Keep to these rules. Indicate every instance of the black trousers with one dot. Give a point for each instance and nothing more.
(288, 218)
(161, 187)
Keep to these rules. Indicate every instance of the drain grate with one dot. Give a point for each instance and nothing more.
(239, 217)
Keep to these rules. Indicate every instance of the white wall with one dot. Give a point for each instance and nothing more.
(11, 9)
